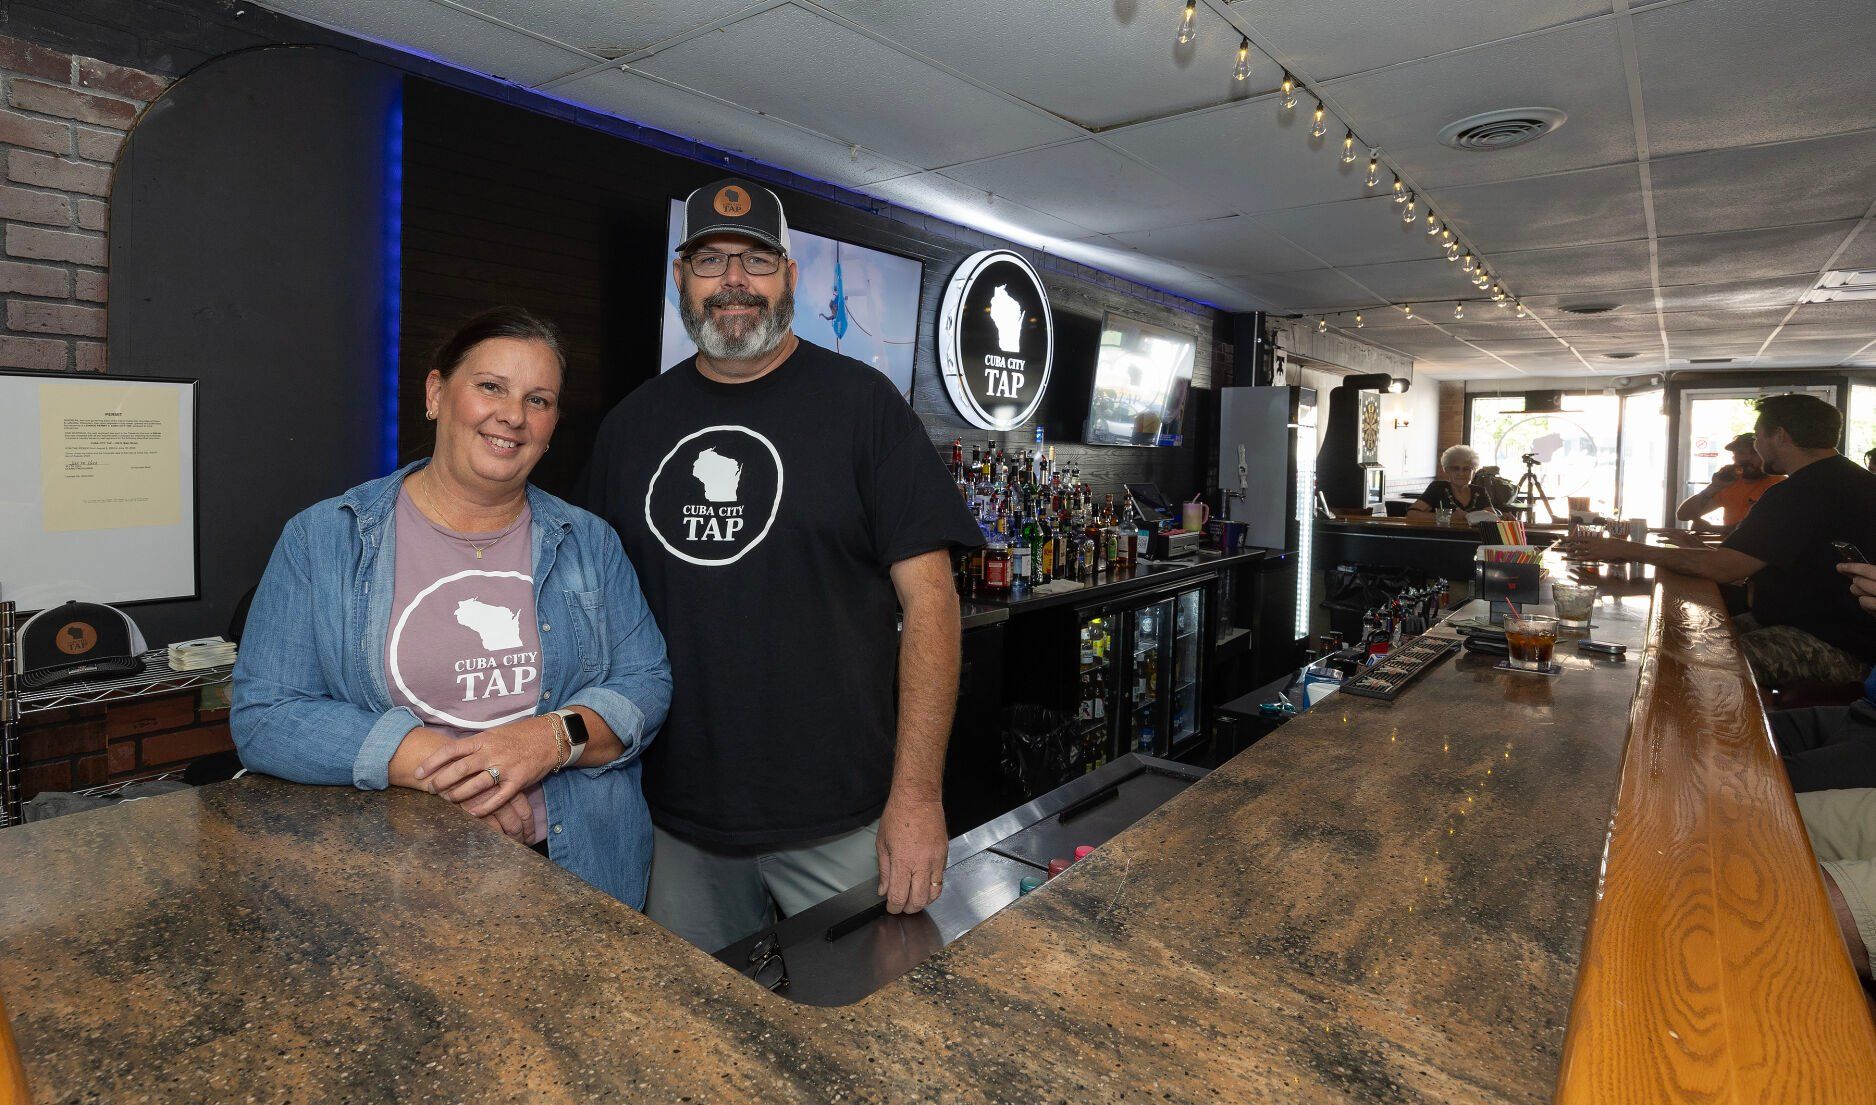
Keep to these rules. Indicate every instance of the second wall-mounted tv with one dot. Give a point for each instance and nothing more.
(851, 299)
(1141, 378)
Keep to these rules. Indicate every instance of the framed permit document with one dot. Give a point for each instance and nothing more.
(97, 489)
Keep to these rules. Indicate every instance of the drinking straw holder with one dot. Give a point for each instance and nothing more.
(1504, 574)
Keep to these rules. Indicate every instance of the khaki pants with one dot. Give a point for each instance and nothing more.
(1842, 826)
(714, 897)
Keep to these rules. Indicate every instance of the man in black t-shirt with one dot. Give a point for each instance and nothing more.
(782, 504)
(1803, 624)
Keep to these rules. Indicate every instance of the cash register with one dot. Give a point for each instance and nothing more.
(1165, 540)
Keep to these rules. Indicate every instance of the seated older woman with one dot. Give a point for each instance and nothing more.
(452, 629)
(1459, 489)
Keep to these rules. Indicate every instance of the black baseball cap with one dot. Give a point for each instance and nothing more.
(735, 206)
(74, 635)
(1742, 442)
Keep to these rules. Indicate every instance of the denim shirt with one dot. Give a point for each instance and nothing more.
(311, 703)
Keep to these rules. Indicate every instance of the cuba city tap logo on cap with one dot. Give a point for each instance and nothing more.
(77, 638)
(715, 495)
(731, 201)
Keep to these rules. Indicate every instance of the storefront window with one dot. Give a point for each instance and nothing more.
(1860, 435)
(1575, 451)
(1644, 456)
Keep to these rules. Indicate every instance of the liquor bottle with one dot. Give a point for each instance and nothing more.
(1045, 549)
(1032, 536)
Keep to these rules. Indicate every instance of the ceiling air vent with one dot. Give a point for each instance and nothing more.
(1620, 356)
(1710, 360)
(1589, 308)
(1841, 285)
(1501, 130)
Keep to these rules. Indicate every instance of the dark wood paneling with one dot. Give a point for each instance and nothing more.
(504, 205)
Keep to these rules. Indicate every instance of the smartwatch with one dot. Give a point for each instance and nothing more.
(576, 734)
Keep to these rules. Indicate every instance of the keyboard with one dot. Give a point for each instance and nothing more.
(113, 668)
(1388, 679)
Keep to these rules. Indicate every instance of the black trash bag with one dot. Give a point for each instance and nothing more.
(1040, 750)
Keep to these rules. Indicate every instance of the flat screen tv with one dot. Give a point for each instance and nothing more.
(851, 299)
(1141, 378)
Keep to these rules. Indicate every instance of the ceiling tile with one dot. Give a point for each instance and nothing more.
(1414, 281)
(640, 99)
(1579, 269)
(1109, 257)
(1789, 182)
(1095, 64)
(1591, 205)
(937, 194)
(1854, 313)
(608, 28)
(1577, 69)
(1861, 252)
(444, 33)
(1326, 40)
(1231, 246)
(1085, 182)
(1303, 292)
(1750, 254)
(1735, 295)
(852, 88)
(1251, 157)
(1719, 73)
(1356, 232)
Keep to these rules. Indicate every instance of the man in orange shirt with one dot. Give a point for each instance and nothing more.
(1734, 488)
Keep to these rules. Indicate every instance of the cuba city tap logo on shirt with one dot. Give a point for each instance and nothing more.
(458, 649)
(715, 495)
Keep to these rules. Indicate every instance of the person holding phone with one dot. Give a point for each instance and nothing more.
(1735, 487)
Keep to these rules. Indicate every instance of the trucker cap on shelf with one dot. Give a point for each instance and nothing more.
(734, 206)
(77, 634)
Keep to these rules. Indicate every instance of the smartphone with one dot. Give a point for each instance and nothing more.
(1607, 649)
(1848, 552)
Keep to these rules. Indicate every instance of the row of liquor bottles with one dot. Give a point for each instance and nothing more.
(1041, 521)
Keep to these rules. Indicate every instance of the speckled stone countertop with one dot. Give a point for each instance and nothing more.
(1377, 903)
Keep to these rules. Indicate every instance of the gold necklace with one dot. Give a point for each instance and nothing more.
(433, 507)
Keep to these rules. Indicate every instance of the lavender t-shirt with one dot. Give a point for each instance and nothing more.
(463, 651)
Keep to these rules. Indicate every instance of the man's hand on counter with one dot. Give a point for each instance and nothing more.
(1862, 583)
(912, 848)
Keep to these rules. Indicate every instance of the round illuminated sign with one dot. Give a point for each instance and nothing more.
(996, 339)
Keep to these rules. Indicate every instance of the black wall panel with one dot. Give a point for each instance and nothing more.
(502, 204)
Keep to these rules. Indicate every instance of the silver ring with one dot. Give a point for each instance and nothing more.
(495, 773)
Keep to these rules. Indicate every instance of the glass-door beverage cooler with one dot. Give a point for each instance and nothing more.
(1142, 673)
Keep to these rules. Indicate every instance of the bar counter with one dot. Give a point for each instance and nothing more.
(1378, 903)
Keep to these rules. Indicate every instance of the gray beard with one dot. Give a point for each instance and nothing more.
(759, 340)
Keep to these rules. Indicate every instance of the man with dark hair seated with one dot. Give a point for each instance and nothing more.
(1803, 624)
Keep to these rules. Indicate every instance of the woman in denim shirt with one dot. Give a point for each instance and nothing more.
(451, 629)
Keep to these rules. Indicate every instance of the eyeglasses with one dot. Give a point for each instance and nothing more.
(756, 262)
(766, 965)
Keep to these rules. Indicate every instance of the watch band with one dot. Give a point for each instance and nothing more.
(575, 727)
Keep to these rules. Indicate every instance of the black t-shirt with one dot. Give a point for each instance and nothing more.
(1791, 528)
(1440, 492)
(762, 519)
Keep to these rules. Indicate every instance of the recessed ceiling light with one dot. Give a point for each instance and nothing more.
(1710, 360)
(1588, 308)
(1502, 129)
(1621, 356)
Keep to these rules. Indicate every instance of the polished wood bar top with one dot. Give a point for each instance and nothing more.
(1377, 903)
(1426, 523)
(1713, 970)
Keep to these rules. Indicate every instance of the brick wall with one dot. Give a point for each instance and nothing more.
(87, 746)
(62, 123)
(1452, 415)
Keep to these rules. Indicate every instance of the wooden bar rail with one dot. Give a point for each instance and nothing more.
(1712, 969)
(13, 1089)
